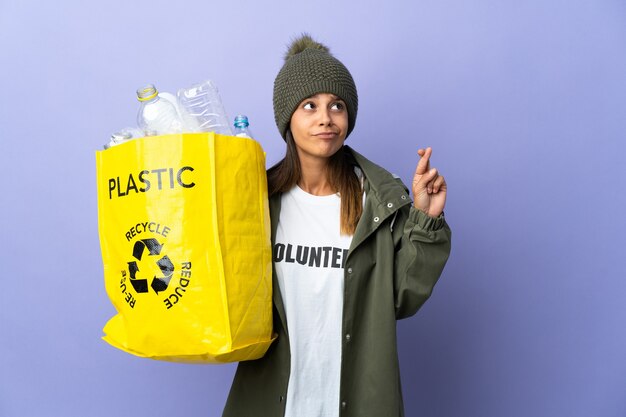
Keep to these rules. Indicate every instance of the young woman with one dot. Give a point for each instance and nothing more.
(353, 253)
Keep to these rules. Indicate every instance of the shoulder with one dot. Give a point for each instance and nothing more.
(378, 177)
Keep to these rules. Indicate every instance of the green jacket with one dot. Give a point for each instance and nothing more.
(396, 256)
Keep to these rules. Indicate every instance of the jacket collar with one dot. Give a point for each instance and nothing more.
(384, 185)
(385, 196)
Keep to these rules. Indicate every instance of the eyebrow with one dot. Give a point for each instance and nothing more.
(335, 97)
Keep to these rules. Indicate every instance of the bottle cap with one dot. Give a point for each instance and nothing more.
(241, 120)
(119, 137)
(147, 93)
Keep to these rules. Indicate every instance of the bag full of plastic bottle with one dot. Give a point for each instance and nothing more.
(184, 230)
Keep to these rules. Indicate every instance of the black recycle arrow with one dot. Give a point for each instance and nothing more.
(140, 285)
(153, 245)
(167, 268)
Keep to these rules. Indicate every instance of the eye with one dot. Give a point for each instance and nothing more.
(339, 105)
(308, 106)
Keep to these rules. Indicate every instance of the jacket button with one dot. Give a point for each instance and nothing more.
(349, 270)
(376, 219)
(403, 197)
(390, 205)
(348, 337)
(344, 405)
(281, 398)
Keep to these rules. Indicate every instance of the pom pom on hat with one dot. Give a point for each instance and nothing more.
(310, 69)
(305, 41)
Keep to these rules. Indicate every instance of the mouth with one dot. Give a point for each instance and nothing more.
(326, 135)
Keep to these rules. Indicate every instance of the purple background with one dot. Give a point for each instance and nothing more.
(524, 104)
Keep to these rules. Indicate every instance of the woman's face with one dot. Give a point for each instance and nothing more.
(319, 126)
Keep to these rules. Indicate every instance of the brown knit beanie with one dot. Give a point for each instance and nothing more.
(310, 69)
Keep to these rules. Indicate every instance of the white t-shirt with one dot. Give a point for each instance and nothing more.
(309, 256)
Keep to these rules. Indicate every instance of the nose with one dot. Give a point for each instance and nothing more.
(325, 119)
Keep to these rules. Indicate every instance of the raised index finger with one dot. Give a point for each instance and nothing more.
(424, 163)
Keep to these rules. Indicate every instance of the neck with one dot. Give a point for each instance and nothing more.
(314, 178)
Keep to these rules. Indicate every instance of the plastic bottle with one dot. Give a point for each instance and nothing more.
(123, 135)
(157, 115)
(117, 138)
(241, 127)
(174, 100)
(202, 109)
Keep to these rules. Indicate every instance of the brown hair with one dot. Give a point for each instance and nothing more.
(340, 171)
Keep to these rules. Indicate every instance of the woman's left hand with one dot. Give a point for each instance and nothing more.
(429, 188)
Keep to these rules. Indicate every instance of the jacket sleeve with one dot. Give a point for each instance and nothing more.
(422, 250)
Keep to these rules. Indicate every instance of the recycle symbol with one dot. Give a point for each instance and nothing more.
(138, 278)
